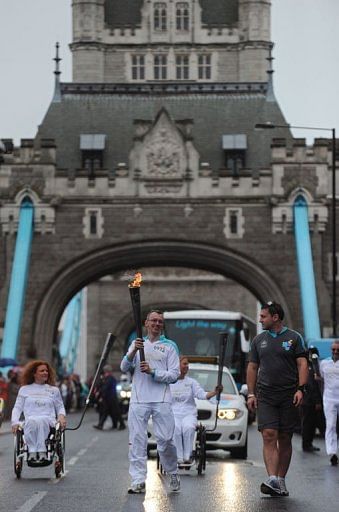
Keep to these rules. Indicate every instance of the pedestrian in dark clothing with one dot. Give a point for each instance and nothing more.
(276, 376)
(109, 403)
(312, 404)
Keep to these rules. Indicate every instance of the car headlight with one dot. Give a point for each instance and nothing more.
(128, 394)
(123, 393)
(229, 414)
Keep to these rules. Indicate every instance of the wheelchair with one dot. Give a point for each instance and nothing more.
(199, 452)
(55, 452)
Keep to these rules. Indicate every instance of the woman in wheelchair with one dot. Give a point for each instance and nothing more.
(184, 391)
(39, 400)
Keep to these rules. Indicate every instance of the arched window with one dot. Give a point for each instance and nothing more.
(160, 16)
(182, 16)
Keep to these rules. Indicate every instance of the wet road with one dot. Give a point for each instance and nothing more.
(97, 480)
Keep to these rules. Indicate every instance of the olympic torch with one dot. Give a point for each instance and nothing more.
(134, 290)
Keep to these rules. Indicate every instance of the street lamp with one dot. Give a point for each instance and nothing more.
(267, 126)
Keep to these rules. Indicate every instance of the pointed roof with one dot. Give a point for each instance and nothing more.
(112, 110)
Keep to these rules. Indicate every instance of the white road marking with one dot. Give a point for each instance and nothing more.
(32, 502)
(73, 460)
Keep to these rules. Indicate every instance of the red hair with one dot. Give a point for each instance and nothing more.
(27, 376)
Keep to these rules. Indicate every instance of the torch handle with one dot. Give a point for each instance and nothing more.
(222, 354)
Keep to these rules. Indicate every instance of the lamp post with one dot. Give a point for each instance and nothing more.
(268, 125)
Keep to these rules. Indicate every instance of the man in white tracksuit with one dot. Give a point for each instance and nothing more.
(329, 370)
(151, 396)
(184, 392)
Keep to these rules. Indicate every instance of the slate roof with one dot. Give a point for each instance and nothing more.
(120, 13)
(86, 108)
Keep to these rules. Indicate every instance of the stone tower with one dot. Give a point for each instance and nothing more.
(140, 41)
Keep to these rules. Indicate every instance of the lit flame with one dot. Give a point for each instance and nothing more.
(136, 283)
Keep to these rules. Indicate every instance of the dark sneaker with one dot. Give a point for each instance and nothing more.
(283, 488)
(334, 460)
(271, 487)
(137, 488)
(174, 482)
(98, 427)
(122, 426)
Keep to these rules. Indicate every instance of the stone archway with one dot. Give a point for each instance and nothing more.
(94, 265)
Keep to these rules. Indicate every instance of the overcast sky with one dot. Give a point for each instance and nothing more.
(306, 78)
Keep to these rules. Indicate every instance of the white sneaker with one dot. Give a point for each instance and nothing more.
(137, 488)
(271, 486)
(283, 488)
(174, 482)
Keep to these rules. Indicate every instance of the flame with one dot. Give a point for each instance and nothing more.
(136, 283)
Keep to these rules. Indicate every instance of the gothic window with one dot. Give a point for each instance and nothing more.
(160, 67)
(204, 67)
(182, 67)
(234, 223)
(138, 67)
(160, 16)
(182, 16)
(93, 223)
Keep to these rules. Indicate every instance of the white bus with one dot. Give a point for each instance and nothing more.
(196, 333)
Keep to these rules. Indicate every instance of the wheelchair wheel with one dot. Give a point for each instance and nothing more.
(200, 452)
(60, 466)
(18, 462)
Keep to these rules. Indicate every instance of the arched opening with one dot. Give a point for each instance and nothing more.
(92, 266)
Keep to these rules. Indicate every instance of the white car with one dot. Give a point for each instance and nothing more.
(230, 432)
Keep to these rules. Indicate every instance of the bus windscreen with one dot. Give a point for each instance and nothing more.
(200, 337)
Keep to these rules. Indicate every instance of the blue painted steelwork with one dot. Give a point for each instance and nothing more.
(306, 273)
(19, 277)
(71, 333)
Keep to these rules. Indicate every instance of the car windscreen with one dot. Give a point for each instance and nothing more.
(208, 380)
(200, 337)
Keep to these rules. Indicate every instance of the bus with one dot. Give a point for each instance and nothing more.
(196, 333)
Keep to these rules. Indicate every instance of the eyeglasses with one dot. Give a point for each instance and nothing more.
(335, 350)
(160, 322)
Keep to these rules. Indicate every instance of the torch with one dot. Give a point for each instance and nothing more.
(134, 290)
(222, 354)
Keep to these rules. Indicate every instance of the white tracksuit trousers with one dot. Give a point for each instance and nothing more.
(331, 411)
(36, 431)
(163, 426)
(184, 435)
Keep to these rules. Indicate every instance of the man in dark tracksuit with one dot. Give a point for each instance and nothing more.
(109, 401)
(276, 376)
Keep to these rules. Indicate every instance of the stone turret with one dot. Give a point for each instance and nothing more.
(88, 27)
(128, 41)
